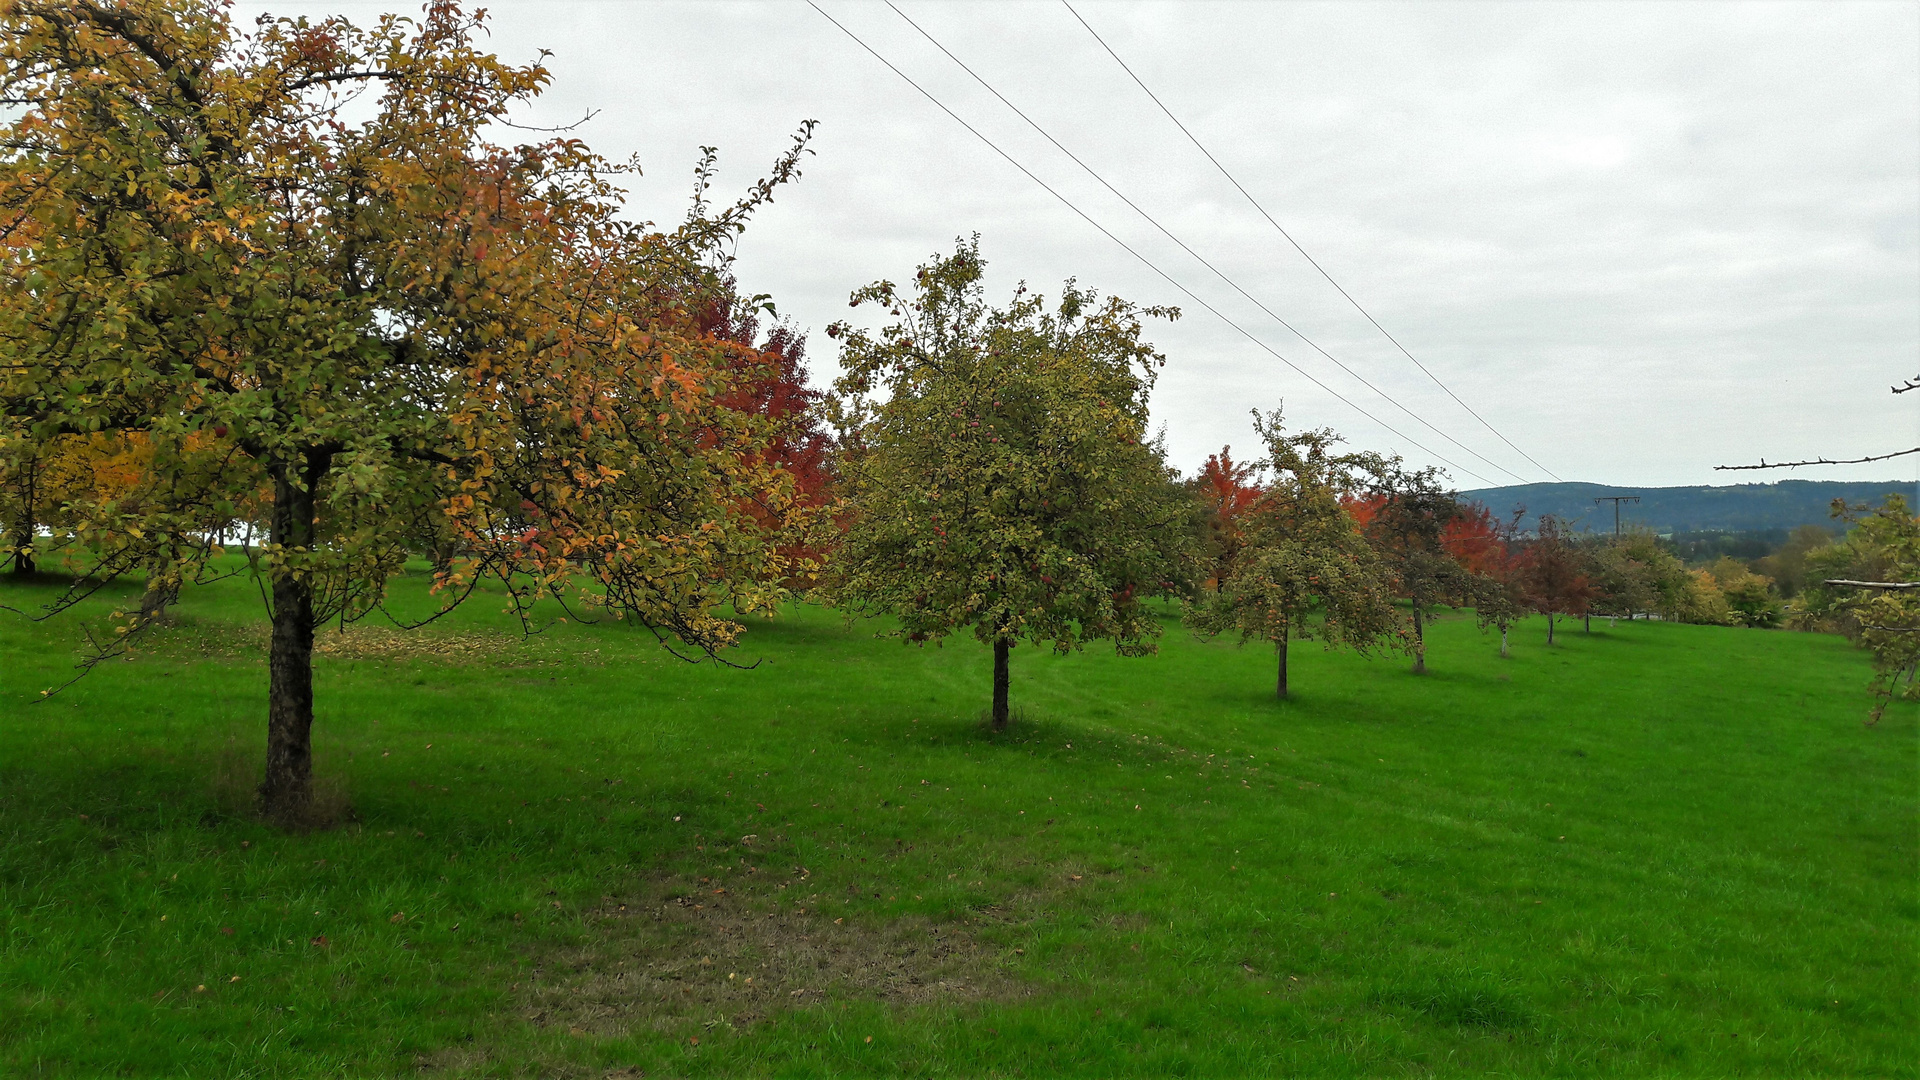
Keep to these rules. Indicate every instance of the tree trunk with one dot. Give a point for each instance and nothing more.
(1280, 647)
(1589, 626)
(159, 595)
(1549, 627)
(1000, 647)
(1419, 643)
(1503, 643)
(26, 525)
(286, 795)
(23, 545)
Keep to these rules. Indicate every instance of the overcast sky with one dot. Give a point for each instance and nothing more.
(1639, 239)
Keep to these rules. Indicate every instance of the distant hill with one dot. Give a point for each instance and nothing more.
(1735, 508)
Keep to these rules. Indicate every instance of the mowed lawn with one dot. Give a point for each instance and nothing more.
(1652, 850)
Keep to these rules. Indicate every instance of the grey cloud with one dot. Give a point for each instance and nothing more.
(1642, 239)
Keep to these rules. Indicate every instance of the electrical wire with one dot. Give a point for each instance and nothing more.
(1296, 244)
(1217, 272)
(1148, 263)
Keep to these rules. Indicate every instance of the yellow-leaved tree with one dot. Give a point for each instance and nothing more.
(369, 328)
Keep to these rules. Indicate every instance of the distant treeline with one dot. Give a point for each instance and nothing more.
(1703, 547)
(1740, 508)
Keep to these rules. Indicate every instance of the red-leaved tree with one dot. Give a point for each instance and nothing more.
(1473, 536)
(1227, 489)
(1551, 573)
(774, 386)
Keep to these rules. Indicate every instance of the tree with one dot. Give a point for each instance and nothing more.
(1751, 600)
(363, 327)
(39, 483)
(1864, 587)
(1620, 582)
(1303, 555)
(1552, 574)
(1226, 490)
(1406, 515)
(1787, 566)
(1700, 601)
(24, 496)
(1489, 549)
(1655, 578)
(999, 473)
(772, 384)
(1476, 538)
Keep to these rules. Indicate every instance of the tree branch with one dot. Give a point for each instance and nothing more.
(1818, 461)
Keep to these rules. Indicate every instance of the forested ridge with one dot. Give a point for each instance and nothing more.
(1703, 508)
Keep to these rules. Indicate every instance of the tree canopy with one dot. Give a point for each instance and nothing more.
(1303, 567)
(1553, 573)
(293, 264)
(1883, 546)
(999, 471)
(1415, 522)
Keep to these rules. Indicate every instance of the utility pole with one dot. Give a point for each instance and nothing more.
(1616, 500)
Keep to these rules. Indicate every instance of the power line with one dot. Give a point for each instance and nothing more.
(1148, 263)
(1296, 244)
(1164, 231)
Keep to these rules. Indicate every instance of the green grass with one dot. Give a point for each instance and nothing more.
(1655, 850)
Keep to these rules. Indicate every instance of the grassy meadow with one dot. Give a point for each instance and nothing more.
(1651, 850)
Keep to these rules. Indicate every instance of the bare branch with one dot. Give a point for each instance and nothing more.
(1892, 585)
(1817, 461)
(591, 113)
(1911, 384)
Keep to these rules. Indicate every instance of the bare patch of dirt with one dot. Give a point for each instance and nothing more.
(360, 641)
(684, 954)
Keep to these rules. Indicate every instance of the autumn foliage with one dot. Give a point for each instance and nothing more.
(772, 384)
(370, 329)
(1227, 490)
(1302, 568)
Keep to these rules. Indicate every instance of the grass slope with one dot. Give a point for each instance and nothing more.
(1652, 850)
